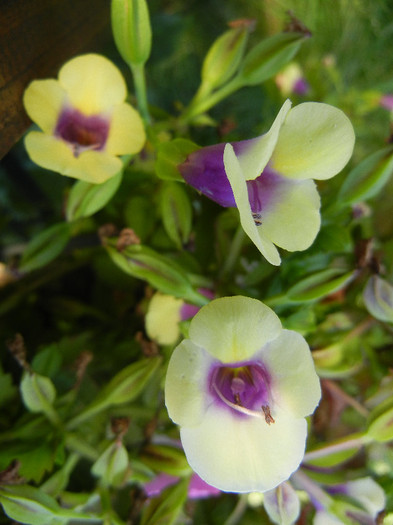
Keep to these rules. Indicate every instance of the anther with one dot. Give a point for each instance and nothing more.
(268, 417)
(257, 219)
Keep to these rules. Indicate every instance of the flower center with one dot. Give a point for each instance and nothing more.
(243, 389)
(82, 132)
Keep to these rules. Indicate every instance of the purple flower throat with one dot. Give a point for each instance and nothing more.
(82, 132)
(243, 389)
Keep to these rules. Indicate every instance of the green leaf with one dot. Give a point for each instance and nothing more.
(7, 389)
(176, 213)
(268, 57)
(28, 505)
(48, 361)
(45, 247)
(380, 423)
(170, 155)
(162, 458)
(368, 178)
(320, 284)
(159, 271)
(123, 388)
(85, 198)
(165, 509)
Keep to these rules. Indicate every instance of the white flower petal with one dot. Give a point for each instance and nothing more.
(244, 455)
(233, 329)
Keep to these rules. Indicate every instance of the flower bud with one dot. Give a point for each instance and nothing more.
(282, 504)
(224, 56)
(112, 465)
(37, 392)
(131, 30)
(378, 298)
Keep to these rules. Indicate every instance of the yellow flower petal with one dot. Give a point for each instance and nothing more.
(292, 221)
(126, 133)
(239, 187)
(244, 455)
(43, 100)
(232, 329)
(95, 167)
(162, 319)
(316, 141)
(93, 83)
(53, 154)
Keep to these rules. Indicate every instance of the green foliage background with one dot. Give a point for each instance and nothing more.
(81, 303)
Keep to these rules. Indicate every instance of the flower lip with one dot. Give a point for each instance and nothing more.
(242, 388)
(82, 132)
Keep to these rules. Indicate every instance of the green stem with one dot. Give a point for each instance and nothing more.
(313, 490)
(74, 443)
(89, 412)
(354, 441)
(138, 72)
(196, 108)
(238, 511)
(234, 252)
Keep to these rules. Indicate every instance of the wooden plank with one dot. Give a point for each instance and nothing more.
(36, 38)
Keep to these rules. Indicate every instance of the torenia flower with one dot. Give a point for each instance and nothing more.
(240, 388)
(365, 493)
(269, 178)
(164, 314)
(291, 80)
(86, 123)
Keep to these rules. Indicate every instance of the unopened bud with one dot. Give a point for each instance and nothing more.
(378, 298)
(131, 30)
(112, 465)
(224, 57)
(282, 504)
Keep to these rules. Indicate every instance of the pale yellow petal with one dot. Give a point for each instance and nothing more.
(186, 396)
(56, 155)
(244, 454)
(292, 220)
(95, 167)
(239, 187)
(48, 151)
(162, 319)
(93, 83)
(316, 141)
(233, 329)
(256, 153)
(43, 101)
(126, 132)
(295, 386)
